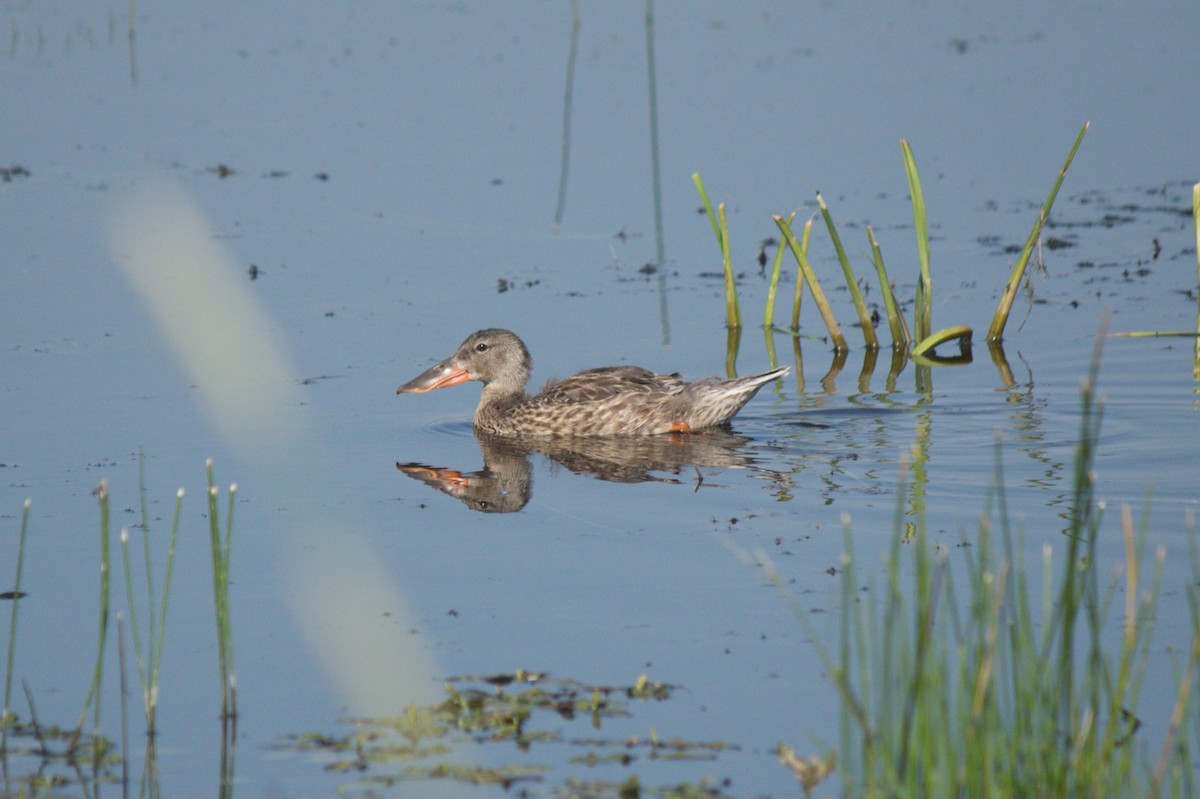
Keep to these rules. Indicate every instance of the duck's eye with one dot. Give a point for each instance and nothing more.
(481, 346)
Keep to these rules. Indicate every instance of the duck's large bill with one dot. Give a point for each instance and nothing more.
(440, 376)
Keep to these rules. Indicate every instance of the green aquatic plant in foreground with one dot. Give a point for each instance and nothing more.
(971, 687)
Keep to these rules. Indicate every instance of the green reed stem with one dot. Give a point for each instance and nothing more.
(923, 308)
(1196, 225)
(156, 644)
(896, 324)
(143, 676)
(228, 622)
(733, 316)
(870, 340)
(12, 629)
(1000, 319)
(150, 660)
(92, 702)
(655, 171)
(220, 570)
(799, 294)
(835, 332)
(769, 312)
(565, 161)
(145, 544)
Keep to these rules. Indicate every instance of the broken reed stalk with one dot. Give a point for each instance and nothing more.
(5, 718)
(930, 342)
(896, 323)
(996, 331)
(870, 340)
(220, 570)
(733, 316)
(799, 294)
(923, 308)
(835, 332)
(769, 311)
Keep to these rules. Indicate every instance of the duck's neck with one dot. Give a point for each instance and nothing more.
(497, 402)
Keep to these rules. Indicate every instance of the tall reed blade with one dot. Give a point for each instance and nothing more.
(895, 319)
(220, 572)
(923, 309)
(860, 306)
(1000, 319)
(799, 294)
(806, 270)
(92, 702)
(1196, 225)
(769, 311)
(655, 172)
(733, 316)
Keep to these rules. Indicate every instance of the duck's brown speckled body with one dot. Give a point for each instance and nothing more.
(609, 401)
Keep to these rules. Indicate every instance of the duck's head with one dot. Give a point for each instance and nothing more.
(494, 357)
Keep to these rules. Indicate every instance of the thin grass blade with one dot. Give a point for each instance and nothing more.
(1000, 319)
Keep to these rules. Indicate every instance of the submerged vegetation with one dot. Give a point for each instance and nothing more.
(524, 710)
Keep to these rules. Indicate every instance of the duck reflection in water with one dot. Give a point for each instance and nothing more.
(505, 483)
(620, 423)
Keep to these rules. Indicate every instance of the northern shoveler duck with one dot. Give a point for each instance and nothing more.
(609, 401)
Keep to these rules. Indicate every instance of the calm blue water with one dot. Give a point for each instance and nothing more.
(392, 164)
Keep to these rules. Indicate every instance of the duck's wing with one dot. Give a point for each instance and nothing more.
(609, 382)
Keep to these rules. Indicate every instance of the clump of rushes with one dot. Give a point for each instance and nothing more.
(733, 316)
(8, 717)
(981, 692)
(149, 659)
(922, 339)
(220, 568)
(996, 331)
